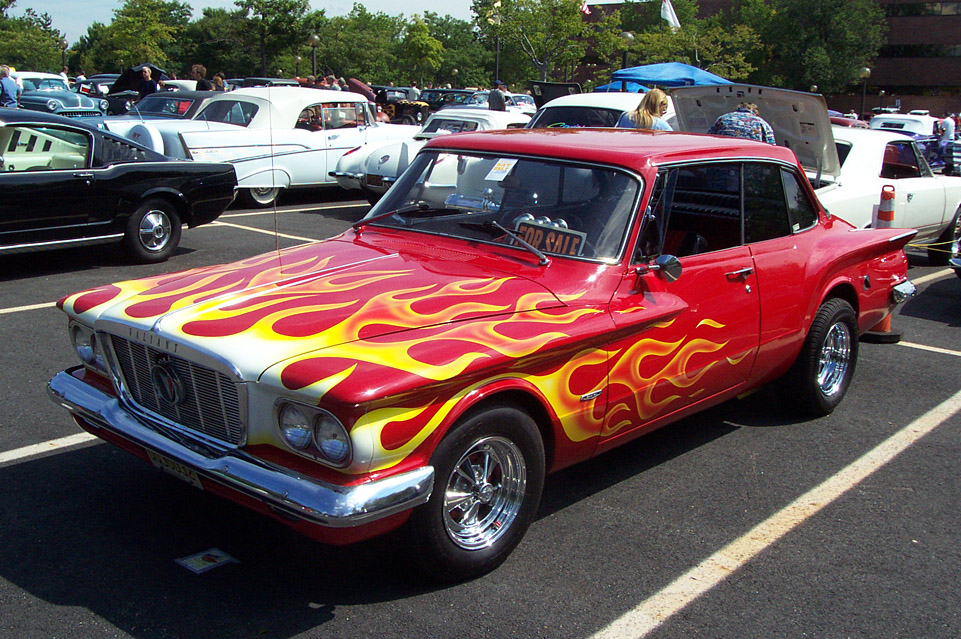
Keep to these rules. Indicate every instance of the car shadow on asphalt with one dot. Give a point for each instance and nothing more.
(71, 260)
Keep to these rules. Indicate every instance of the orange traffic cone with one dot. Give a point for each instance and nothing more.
(885, 216)
(881, 333)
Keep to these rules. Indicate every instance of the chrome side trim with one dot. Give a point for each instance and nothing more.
(903, 292)
(57, 244)
(309, 499)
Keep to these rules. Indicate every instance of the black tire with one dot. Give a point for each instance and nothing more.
(940, 254)
(408, 119)
(262, 198)
(372, 196)
(153, 231)
(825, 366)
(471, 522)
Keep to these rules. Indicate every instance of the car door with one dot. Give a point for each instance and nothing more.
(345, 127)
(46, 184)
(683, 342)
(920, 197)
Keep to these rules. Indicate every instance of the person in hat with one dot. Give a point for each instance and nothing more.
(497, 99)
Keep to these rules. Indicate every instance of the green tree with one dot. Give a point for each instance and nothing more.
(463, 50)
(823, 42)
(218, 40)
(29, 42)
(362, 45)
(419, 51)
(550, 33)
(274, 26)
(140, 32)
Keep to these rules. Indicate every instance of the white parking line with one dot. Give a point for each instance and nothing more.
(30, 307)
(930, 349)
(932, 276)
(264, 231)
(674, 597)
(26, 452)
(296, 210)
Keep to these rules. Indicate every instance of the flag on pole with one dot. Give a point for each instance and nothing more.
(586, 10)
(667, 12)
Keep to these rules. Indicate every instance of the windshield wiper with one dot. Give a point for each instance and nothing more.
(414, 210)
(492, 225)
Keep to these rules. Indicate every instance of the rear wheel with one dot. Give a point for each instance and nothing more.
(263, 197)
(372, 196)
(956, 241)
(946, 245)
(153, 231)
(822, 373)
(489, 473)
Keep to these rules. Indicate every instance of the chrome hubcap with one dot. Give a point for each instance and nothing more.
(835, 359)
(265, 194)
(484, 493)
(155, 230)
(956, 242)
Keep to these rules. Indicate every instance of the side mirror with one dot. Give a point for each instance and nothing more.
(669, 267)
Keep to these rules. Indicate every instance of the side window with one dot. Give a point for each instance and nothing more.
(765, 213)
(342, 116)
(40, 148)
(801, 213)
(310, 119)
(118, 152)
(900, 161)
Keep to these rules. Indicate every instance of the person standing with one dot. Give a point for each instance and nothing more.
(147, 84)
(496, 99)
(198, 72)
(744, 122)
(332, 83)
(649, 113)
(9, 91)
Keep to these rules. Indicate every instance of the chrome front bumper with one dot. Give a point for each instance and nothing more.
(955, 263)
(903, 292)
(281, 489)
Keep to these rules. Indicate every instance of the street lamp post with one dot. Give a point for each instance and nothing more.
(63, 52)
(312, 42)
(297, 60)
(864, 74)
(454, 73)
(628, 39)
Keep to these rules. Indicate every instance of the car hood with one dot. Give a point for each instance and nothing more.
(312, 298)
(67, 98)
(800, 120)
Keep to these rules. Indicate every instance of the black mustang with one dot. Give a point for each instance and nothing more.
(66, 183)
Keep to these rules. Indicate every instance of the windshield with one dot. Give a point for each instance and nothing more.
(447, 125)
(575, 116)
(228, 112)
(45, 84)
(557, 207)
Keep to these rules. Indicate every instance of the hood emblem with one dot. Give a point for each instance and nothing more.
(166, 382)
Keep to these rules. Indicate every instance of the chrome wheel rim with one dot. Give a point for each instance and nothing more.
(264, 195)
(155, 230)
(835, 359)
(484, 493)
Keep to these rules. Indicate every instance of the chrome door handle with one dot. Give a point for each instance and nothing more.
(742, 273)
(910, 196)
(83, 176)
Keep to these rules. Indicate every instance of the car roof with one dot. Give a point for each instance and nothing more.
(37, 75)
(502, 118)
(630, 148)
(613, 100)
(184, 93)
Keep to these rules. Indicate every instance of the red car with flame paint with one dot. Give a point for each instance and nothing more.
(518, 302)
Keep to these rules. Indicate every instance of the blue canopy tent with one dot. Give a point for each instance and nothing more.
(614, 87)
(667, 74)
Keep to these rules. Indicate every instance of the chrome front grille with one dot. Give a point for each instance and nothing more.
(79, 114)
(210, 404)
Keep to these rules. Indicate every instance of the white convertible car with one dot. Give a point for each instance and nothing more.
(847, 166)
(275, 138)
(374, 168)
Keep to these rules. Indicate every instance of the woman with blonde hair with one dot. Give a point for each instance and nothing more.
(649, 113)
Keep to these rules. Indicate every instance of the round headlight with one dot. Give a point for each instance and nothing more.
(104, 105)
(52, 105)
(295, 426)
(127, 105)
(331, 438)
(83, 343)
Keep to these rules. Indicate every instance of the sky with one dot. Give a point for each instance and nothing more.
(74, 16)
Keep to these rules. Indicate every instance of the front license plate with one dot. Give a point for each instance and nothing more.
(375, 180)
(175, 468)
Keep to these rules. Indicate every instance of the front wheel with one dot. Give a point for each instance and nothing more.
(489, 473)
(262, 197)
(946, 243)
(153, 231)
(822, 373)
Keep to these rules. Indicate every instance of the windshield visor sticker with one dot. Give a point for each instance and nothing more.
(501, 170)
(551, 238)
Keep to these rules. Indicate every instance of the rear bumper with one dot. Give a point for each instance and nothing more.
(280, 489)
(903, 292)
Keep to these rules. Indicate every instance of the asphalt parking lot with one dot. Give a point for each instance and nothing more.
(743, 521)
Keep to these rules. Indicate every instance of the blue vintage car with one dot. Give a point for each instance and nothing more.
(926, 131)
(49, 93)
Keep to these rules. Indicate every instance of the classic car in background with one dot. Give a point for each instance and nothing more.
(98, 87)
(437, 99)
(847, 166)
(275, 138)
(374, 168)
(49, 93)
(589, 110)
(401, 105)
(520, 102)
(518, 302)
(66, 183)
(920, 125)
